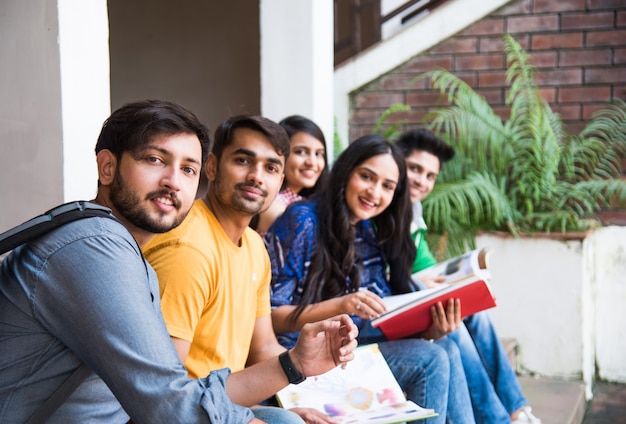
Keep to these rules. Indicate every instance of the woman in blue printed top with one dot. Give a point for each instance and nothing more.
(332, 253)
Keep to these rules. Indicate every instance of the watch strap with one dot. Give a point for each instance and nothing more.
(293, 375)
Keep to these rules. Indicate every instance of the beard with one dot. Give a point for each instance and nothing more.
(235, 200)
(128, 204)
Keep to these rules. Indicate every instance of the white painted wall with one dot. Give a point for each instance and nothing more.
(609, 295)
(444, 22)
(562, 300)
(297, 61)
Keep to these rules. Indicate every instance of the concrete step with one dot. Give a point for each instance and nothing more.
(553, 401)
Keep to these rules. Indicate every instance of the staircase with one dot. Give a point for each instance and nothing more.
(553, 401)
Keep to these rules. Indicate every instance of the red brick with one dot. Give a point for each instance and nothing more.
(605, 4)
(608, 75)
(359, 131)
(479, 61)
(427, 63)
(487, 26)
(493, 96)
(543, 6)
(584, 94)
(418, 84)
(380, 100)
(621, 18)
(495, 44)
(548, 94)
(492, 79)
(606, 38)
(585, 57)
(591, 108)
(364, 116)
(425, 98)
(532, 23)
(543, 59)
(467, 77)
(411, 116)
(457, 45)
(619, 91)
(574, 128)
(567, 112)
(587, 20)
(401, 82)
(514, 8)
(551, 41)
(504, 112)
(559, 77)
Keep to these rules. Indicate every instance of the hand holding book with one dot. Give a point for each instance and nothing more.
(466, 279)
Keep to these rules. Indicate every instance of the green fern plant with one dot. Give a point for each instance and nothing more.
(524, 174)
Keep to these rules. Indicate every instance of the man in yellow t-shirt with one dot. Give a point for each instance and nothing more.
(212, 290)
(214, 271)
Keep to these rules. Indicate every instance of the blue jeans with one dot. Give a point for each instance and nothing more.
(494, 388)
(276, 415)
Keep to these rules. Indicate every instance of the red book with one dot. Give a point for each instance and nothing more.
(409, 314)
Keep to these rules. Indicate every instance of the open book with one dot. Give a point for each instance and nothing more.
(471, 265)
(466, 279)
(364, 391)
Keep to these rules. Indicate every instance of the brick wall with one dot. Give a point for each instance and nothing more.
(577, 46)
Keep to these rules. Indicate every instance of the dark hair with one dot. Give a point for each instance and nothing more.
(299, 124)
(274, 132)
(424, 140)
(134, 125)
(334, 263)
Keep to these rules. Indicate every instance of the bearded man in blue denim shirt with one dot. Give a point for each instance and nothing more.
(83, 293)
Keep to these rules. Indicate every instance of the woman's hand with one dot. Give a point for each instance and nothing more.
(313, 416)
(431, 281)
(363, 303)
(445, 320)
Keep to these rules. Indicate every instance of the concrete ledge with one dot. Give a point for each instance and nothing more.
(555, 401)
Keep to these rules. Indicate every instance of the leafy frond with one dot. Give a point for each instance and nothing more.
(390, 131)
(523, 174)
(471, 203)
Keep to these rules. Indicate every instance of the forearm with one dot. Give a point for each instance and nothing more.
(283, 322)
(256, 383)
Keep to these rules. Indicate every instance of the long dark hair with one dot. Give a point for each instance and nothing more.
(335, 267)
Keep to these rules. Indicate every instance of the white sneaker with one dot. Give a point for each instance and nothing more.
(525, 416)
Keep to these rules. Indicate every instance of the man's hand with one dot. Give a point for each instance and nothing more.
(323, 345)
(445, 321)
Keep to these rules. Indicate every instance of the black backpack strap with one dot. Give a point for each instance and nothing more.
(59, 396)
(28, 231)
(50, 220)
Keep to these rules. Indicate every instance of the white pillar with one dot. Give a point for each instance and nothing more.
(55, 95)
(297, 61)
(85, 91)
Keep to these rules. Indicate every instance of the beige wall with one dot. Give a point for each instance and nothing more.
(31, 154)
(202, 54)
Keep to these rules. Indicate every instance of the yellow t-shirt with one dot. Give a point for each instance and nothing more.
(212, 290)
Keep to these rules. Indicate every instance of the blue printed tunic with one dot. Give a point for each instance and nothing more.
(291, 241)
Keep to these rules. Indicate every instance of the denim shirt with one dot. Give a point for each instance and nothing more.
(84, 293)
(291, 241)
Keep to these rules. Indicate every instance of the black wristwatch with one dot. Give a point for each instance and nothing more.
(293, 375)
